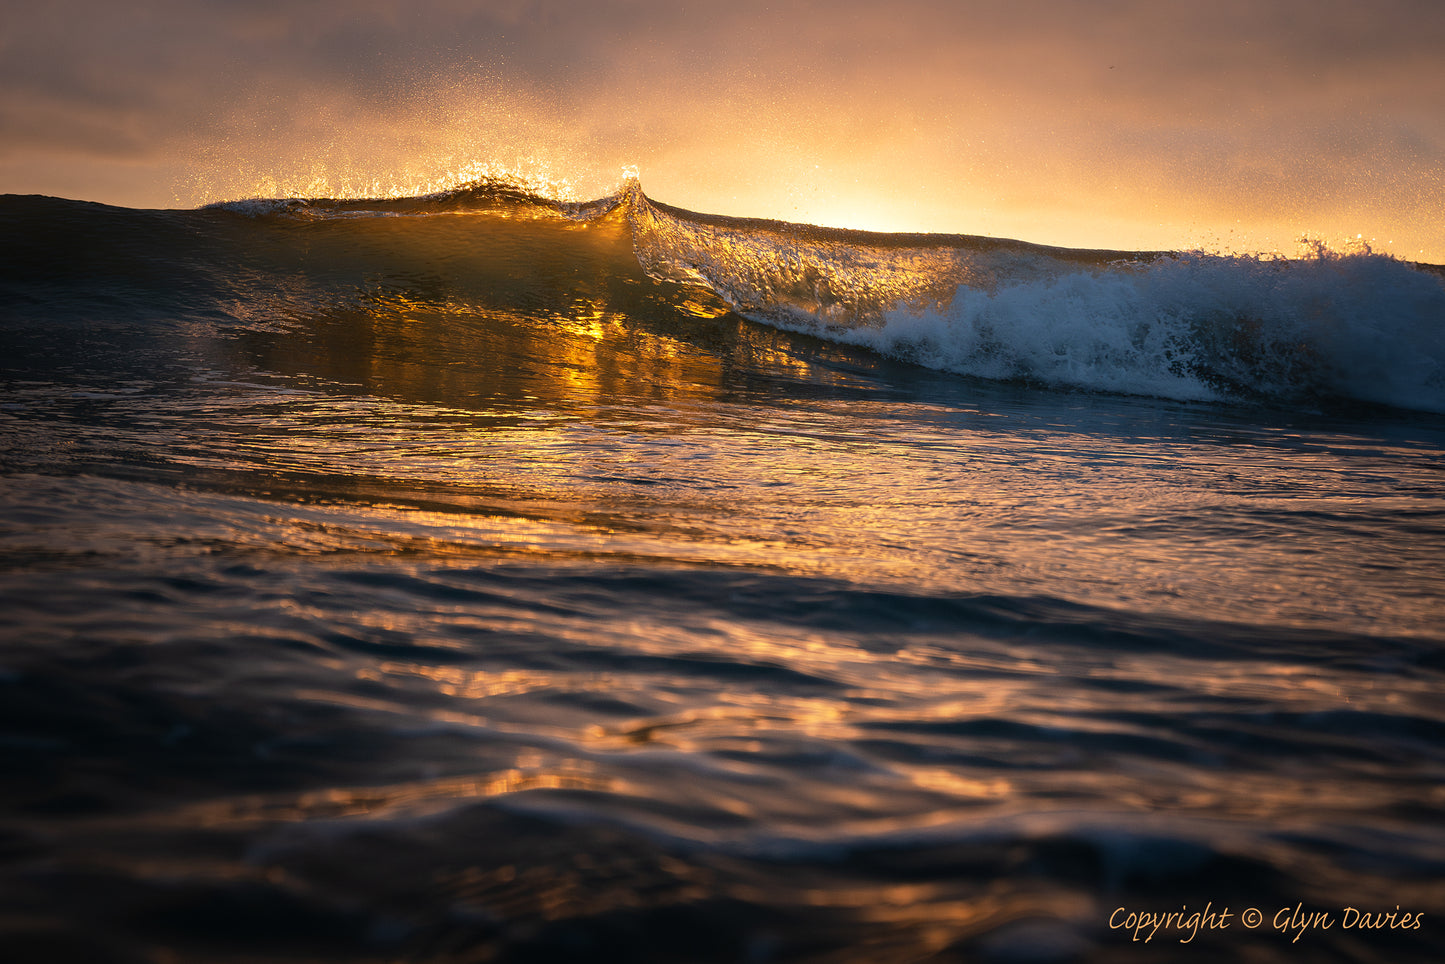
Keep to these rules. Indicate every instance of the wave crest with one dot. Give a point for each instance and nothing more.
(484, 195)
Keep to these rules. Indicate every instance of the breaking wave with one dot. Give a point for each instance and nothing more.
(1329, 327)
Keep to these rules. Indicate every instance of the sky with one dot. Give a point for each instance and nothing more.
(1239, 125)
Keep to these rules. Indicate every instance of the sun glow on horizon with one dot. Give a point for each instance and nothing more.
(837, 195)
(1166, 128)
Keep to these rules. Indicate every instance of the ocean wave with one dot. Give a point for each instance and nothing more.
(1354, 326)
(1185, 325)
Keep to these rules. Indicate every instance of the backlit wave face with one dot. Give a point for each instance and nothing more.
(1124, 126)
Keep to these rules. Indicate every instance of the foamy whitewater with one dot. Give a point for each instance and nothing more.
(486, 577)
(1186, 326)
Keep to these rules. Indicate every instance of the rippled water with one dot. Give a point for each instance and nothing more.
(554, 619)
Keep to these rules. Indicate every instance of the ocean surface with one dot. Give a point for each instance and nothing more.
(487, 578)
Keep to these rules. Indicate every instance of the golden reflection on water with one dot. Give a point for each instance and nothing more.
(402, 799)
(502, 406)
(474, 313)
(462, 683)
(741, 729)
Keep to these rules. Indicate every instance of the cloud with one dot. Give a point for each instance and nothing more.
(924, 111)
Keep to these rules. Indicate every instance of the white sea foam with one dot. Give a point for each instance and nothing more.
(1191, 326)
(1359, 326)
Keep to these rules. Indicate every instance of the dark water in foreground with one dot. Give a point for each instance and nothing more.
(442, 587)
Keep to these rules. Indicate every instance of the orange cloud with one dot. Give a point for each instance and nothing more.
(1118, 124)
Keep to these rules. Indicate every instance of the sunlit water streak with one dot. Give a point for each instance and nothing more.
(445, 587)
